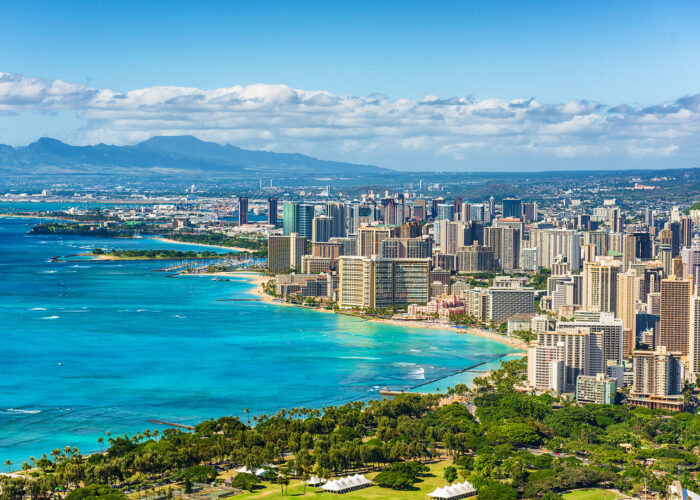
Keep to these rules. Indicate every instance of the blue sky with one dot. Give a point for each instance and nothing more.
(639, 54)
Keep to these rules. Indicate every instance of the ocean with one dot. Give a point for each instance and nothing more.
(88, 347)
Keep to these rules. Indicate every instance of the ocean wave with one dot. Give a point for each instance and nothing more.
(405, 364)
(52, 271)
(418, 374)
(38, 309)
(179, 316)
(415, 350)
(20, 410)
(50, 317)
(81, 267)
(369, 358)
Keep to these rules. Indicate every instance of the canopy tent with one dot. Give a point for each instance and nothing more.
(457, 490)
(345, 484)
(315, 481)
(258, 472)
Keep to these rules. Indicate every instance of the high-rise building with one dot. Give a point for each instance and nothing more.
(629, 248)
(457, 208)
(411, 229)
(600, 285)
(297, 218)
(686, 235)
(658, 379)
(566, 292)
(289, 218)
(674, 325)
(336, 211)
(434, 206)
(555, 243)
(420, 209)
(691, 262)
(694, 344)
(372, 282)
(389, 208)
(505, 238)
(475, 258)
(285, 252)
(666, 259)
(349, 244)
(528, 259)
(305, 217)
(573, 349)
(369, 239)
(675, 228)
(530, 212)
(406, 248)
(321, 228)
(617, 221)
(465, 212)
(512, 208)
(627, 288)
(445, 211)
(644, 247)
(545, 367)
(504, 303)
(449, 236)
(477, 212)
(272, 211)
(242, 211)
(605, 338)
(329, 250)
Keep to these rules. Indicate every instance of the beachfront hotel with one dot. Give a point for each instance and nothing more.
(373, 282)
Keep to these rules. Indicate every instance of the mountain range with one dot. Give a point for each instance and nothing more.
(166, 155)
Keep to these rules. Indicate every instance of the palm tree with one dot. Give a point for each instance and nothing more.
(101, 442)
(8, 464)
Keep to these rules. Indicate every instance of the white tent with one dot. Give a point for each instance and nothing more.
(454, 491)
(315, 481)
(257, 472)
(345, 484)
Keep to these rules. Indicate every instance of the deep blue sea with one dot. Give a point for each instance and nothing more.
(88, 347)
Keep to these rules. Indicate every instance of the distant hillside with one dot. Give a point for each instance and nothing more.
(165, 155)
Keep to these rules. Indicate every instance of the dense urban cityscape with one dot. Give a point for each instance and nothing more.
(598, 294)
(373, 250)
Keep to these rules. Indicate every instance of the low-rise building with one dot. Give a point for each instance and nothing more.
(598, 389)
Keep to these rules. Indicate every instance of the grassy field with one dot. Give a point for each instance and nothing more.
(296, 489)
(592, 494)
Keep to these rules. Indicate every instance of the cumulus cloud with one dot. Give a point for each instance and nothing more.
(365, 128)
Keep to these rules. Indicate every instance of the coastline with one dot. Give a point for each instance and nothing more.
(258, 279)
(232, 249)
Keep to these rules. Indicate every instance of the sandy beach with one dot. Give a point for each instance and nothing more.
(258, 279)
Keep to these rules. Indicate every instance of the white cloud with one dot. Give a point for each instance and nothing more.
(372, 129)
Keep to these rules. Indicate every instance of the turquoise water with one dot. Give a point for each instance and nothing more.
(88, 347)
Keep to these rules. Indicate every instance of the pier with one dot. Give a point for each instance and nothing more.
(171, 424)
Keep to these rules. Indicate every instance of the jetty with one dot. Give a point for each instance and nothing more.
(171, 424)
(385, 391)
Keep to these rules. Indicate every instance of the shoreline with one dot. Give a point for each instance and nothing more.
(258, 279)
(178, 242)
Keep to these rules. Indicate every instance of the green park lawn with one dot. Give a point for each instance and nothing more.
(426, 485)
(591, 494)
